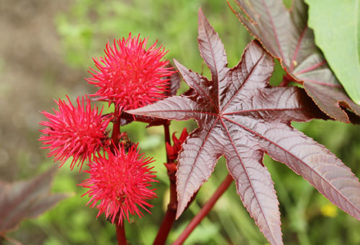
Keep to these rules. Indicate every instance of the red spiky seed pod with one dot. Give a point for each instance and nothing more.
(74, 131)
(119, 184)
(129, 75)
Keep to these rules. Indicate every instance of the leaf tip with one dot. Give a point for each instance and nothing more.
(176, 63)
(202, 20)
(201, 14)
(179, 211)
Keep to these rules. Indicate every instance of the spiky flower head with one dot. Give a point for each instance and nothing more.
(119, 184)
(129, 75)
(78, 132)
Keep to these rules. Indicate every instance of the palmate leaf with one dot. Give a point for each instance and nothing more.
(286, 36)
(174, 85)
(241, 117)
(26, 199)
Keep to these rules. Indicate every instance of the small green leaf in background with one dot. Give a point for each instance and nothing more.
(336, 26)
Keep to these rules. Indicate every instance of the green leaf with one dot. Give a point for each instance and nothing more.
(336, 26)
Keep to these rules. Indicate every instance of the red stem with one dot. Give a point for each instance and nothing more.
(286, 80)
(205, 210)
(170, 215)
(116, 128)
(120, 234)
(167, 137)
(169, 218)
(120, 228)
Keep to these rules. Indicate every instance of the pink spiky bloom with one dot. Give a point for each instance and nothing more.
(119, 184)
(131, 76)
(78, 132)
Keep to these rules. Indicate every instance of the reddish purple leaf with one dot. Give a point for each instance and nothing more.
(174, 85)
(286, 36)
(175, 80)
(26, 199)
(211, 49)
(241, 117)
(127, 118)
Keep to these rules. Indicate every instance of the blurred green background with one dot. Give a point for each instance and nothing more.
(45, 51)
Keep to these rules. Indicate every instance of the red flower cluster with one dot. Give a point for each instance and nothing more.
(118, 184)
(131, 76)
(77, 132)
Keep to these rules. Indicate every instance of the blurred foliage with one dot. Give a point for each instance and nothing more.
(90, 24)
(307, 217)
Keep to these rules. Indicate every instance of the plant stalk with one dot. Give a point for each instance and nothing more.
(120, 227)
(205, 210)
(170, 215)
(286, 80)
(167, 137)
(116, 128)
(120, 234)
